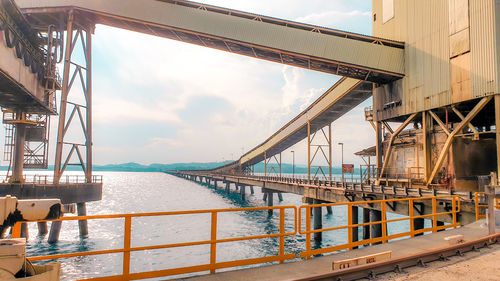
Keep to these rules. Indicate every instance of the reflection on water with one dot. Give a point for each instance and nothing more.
(155, 192)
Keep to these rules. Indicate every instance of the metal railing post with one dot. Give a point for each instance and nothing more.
(213, 243)
(126, 247)
(282, 237)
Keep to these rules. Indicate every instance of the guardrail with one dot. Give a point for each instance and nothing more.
(211, 266)
(480, 197)
(455, 209)
(68, 179)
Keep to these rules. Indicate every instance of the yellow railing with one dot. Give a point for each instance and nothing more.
(212, 266)
(479, 206)
(455, 209)
(452, 201)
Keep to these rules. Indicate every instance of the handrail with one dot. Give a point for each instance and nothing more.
(451, 209)
(212, 266)
(479, 206)
(455, 209)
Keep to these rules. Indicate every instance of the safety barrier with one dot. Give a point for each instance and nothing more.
(212, 266)
(455, 209)
(477, 201)
(448, 205)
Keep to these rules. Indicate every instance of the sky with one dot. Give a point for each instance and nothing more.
(161, 101)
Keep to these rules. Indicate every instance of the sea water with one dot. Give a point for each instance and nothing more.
(127, 192)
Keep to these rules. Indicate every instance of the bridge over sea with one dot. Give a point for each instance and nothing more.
(430, 68)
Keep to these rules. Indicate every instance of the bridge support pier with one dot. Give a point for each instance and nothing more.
(42, 228)
(264, 197)
(55, 229)
(242, 192)
(318, 221)
(366, 228)
(24, 230)
(376, 229)
(228, 185)
(354, 220)
(82, 224)
(280, 196)
(251, 190)
(269, 201)
(329, 210)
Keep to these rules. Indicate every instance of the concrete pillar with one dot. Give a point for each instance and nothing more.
(329, 210)
(24, 230)
(366, 219)
(81, 209)
(228, 185)
(251, 189)
(280, 196)
(418, 224)
(376, 229)
(318, 221)
(354, 221)
(55, 229)
(18, 157)
(269, 201)
(242, 192)
(42, 228)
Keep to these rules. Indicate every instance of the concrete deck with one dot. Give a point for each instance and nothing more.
(323, 265)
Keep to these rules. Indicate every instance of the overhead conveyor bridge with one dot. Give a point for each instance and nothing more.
(302, 45)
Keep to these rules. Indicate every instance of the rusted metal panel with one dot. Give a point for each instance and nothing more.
(362, 54)
(484, 76)
(460, 78)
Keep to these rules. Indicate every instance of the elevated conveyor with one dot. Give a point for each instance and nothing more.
(346, 94)
(312, 47)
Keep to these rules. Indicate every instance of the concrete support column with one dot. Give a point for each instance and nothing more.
(242, 192)
(24, 230)
(18, 157)
(329, 210)
(42, 228)
(376, 229)
(269, 201)
(366, 228)
(264, 197)
(251, 189)
(280, 196)
(81, 209)
(228, 185)
(318, 221)
(55, 229)
(354, 220)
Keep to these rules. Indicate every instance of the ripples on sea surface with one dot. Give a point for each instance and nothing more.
(158, 192)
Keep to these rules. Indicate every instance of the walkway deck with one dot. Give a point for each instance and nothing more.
(323, 265)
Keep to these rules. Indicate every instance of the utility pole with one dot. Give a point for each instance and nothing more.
(342, 145)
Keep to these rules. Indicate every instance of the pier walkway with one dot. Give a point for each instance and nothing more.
(320, 268)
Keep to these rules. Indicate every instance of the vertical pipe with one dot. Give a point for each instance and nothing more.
(354, 220)
(378, 148)
(18, 163)
(82, 224)
(318, 221)
(308, 152)
(330, 152)
(497, 129)
(88, 96)
(64, 100)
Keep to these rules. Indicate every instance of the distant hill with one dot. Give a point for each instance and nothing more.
(135, 167)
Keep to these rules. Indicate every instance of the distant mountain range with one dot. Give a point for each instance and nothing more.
(135, 167)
